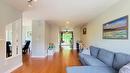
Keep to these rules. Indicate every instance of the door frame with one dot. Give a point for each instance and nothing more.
(61, 34)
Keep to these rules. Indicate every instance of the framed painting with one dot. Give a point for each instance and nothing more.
(116, 29)
(84, 31)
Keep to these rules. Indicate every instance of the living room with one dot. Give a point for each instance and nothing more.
(95, 25)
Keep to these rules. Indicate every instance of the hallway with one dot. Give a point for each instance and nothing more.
(54, 64)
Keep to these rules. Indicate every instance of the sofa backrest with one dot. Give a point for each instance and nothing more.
(94, 51)
(106, 57)
(120, 60)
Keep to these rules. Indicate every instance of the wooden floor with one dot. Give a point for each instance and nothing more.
(54, 64)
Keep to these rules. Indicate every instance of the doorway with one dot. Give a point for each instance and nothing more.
(66, 40)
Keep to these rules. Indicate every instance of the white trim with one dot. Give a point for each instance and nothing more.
(12, 57)
(38, 56)
(12, 69)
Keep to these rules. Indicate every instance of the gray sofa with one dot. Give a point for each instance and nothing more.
(100, 61)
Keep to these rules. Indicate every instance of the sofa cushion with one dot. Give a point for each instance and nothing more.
(81, 55)
(92, 61)
(106, 57)
(94, 51)
(82, 62)
(81, 58)
(120, 60)
(90, 69)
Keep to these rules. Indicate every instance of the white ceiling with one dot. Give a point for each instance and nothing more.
(58, 11)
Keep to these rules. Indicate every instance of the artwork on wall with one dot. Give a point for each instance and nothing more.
(84, 31)
(116, 29)
(29, 34)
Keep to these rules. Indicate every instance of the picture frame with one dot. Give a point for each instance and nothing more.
(116, 29)
(84, 31)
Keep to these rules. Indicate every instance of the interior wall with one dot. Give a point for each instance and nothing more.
(38, 38)
(27, 27)
(54, 36)
(76, 35)
(25, 35)
(83, 37)
(95, 27)
(8, 15)
(47, 35)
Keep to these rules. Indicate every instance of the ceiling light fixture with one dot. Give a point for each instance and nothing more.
(67, 22)
(35, 0)
(29, 5)
(30, 2)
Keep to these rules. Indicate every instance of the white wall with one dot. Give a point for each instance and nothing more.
(43, 34)
(76, 35)
(94, 28)
(27, 26)
(38, 38)
(8, 15)
(47, 35)
(25, 36)
(54, 36)
(83, 37)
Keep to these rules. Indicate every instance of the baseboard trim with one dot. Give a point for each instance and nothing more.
(38, 56)
(12, 69)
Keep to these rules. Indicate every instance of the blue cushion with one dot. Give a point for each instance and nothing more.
(81, 55)
(81, 58)
(90, 69)
(94, 51)
(120, 60)
(92, 61)
(106, 57)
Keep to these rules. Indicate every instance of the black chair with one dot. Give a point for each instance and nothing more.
(26, 47)
(77, 46)
(8, 49)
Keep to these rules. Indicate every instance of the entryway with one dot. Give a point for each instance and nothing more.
(66, 40)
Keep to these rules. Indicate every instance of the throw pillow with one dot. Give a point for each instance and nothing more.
(86, 51)
(125, 69)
